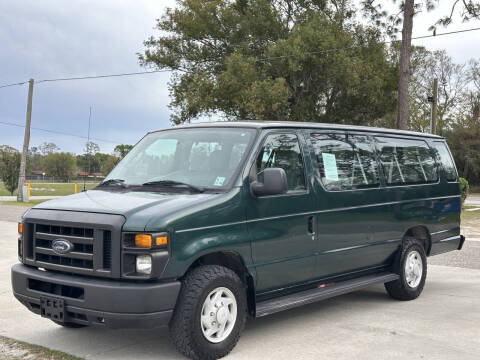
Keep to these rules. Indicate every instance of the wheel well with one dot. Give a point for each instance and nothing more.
(234, 262)
(422, 234)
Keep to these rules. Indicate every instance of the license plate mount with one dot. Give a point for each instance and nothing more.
(52, 308)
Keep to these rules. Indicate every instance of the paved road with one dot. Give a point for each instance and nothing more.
(473, 200)
(11, 213)
(441, 324)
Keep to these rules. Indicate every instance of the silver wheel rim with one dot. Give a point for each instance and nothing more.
(219, 314)
(413, 269)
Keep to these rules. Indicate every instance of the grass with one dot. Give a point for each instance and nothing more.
(30, 351)
(27, 204)
(50, 189)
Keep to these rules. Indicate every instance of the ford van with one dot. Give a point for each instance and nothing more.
(201, 226)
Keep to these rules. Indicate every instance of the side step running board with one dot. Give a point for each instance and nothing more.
(313, 295)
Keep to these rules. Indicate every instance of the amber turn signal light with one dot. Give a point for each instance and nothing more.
(161, 240)
(143, 240)
(20, 228)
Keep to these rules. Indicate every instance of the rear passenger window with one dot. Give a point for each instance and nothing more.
(345, 161)
(443, 156)
(406, 161)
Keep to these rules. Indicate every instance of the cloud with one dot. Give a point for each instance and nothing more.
(51, 39)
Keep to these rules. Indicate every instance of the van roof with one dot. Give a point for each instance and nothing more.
(302, 125)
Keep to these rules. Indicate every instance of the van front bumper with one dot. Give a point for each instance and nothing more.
(99, 302)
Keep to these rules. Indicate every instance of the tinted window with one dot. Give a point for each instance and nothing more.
(345, 161)
(283, 151)
(443, 156)
(406, 161)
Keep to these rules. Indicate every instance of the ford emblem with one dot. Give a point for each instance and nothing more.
(62, 246)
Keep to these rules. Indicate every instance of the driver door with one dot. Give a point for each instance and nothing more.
(280, 226)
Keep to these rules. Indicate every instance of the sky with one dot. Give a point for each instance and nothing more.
(53, 39)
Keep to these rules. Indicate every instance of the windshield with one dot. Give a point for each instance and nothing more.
(200, 157)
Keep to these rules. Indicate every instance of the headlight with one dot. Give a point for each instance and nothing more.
(144, 264)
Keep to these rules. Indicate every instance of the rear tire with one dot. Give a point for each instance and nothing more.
(411, 265)
(210, 313)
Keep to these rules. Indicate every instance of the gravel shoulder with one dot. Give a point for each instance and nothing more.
(469, 256)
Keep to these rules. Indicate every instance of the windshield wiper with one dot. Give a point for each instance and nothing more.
(198, 189)
(108, 182)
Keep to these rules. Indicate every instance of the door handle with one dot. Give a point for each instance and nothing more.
(311, 226)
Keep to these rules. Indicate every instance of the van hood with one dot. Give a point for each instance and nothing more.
(138, 208)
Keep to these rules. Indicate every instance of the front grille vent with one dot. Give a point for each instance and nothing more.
(91, 252)
(107, 250)
(82, 239)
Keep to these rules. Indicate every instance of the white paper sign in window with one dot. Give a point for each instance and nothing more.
(330, 166)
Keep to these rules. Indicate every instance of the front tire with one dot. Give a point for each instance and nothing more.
(411, 265)
(210, 313)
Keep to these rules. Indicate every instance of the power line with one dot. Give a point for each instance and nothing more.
(60, 133)
(90, 77)
(445, 33)
(258, 59)
(15, 84)
(103, 76)
(354, 46)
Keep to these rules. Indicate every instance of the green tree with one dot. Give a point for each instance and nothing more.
(464, 135)
(453, 79)
(103, 163)
(84, 162)
(61, 165)
(48, 148)
(468, 10)
(34, 159)
(91, 147)
(464, 143)
(97, 163)
(110, 162)
(9, 167)
(89, 162)
(122, 150)
(263, 59)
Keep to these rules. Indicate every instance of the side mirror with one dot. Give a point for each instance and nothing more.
(274, 183)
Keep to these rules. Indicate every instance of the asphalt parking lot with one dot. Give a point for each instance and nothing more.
(444, 323)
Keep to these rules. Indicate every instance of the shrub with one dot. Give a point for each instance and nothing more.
(465, 187)
(9, 167)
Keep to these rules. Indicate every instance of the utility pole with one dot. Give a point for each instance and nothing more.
(402, 114)
(435, 107)
(26, 142)
(88, 150)
(430, 128)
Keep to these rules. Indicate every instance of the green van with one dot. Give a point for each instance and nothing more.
(200, 226)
